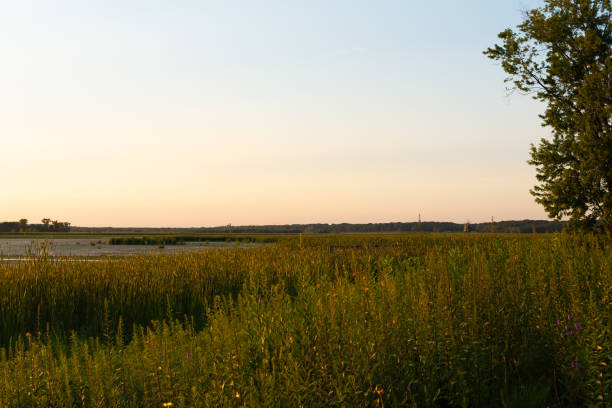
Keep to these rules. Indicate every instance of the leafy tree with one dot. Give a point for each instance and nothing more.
(561, 55)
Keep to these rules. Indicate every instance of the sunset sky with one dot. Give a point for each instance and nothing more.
(203, 113)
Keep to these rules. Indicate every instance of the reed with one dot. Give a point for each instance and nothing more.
(381, 320)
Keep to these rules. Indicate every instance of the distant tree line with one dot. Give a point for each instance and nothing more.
(181, 239)
(523, 226)
(46, 225)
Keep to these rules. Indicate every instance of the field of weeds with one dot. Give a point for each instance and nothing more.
(364, 320)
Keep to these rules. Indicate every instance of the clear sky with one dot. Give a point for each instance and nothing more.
(201, 113)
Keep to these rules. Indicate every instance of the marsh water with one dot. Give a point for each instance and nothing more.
(14, 249)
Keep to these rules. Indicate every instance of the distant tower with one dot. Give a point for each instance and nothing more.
(492, 228)
(419, 226)
(467, 228)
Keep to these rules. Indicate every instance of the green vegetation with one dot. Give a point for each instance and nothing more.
(523, 226)
(562, 55)
(21, 229)
(395, 320)
(181, 239)
(48, 225)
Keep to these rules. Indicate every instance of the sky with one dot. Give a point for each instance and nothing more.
(203, 113)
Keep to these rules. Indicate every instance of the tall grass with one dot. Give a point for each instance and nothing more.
(393, 320)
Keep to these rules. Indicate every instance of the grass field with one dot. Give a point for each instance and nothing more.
(363, 320)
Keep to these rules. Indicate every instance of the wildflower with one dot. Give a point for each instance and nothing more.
(28, 334)
(167, 404)
(575, 365)
(569, 330)
(237, 395)
(188, 355)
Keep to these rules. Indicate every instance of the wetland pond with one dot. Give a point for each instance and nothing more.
(17, 249)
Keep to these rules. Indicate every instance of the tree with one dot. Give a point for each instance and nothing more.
(561, 55)
(23, 224)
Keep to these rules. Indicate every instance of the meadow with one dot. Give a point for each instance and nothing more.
(423, 320)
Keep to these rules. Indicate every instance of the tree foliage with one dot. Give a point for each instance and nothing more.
(47, 225)
(562, 55)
